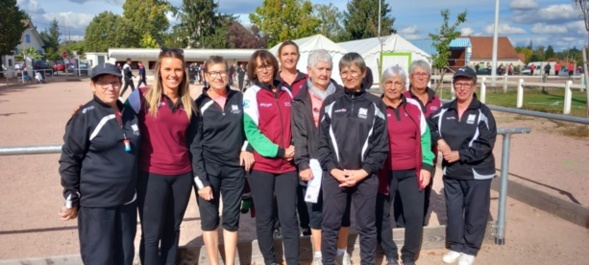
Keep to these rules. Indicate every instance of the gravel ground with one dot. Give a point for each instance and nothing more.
(34, 114)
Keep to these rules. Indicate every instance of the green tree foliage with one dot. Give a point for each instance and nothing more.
(12, 26)
(200, 25)
(361, 19)
(31, 53)
(526, 51)
(148, 42)
(442, 38)
(70, 47)
(107, 30)
(50, 37)
(285, 19)
(539, 54)
(147, 17)
(549, 53)
(331, 21)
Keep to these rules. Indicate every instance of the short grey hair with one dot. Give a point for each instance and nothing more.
(352, 58)
(420, 64)
(317, 56)
(392, 72)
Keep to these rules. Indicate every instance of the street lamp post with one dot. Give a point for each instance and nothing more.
(495, 40)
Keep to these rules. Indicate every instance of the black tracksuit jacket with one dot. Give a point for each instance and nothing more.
(353, 132)
(95, 169)
(222, 134)
(473, 136)
(304, 133)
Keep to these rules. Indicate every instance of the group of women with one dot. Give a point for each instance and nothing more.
(287, 129)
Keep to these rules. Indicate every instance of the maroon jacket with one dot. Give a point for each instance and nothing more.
(296, 85)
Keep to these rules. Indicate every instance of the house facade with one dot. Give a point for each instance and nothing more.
(29, 38)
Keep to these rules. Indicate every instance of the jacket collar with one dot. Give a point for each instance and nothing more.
(276, 83)
(230, 92)
(431, 94)
(299, 77)
(106, 106)
(303, 94)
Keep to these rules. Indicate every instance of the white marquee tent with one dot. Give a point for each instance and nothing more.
(308, 44)
(395, 51)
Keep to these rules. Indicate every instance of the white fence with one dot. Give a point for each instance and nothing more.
(519, 83)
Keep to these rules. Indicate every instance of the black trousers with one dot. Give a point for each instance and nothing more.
(335, 200)
(128, 82)
(404, 186)
(398, 206)
(162, 203)
(229, 183)
(467, 208)
(315, 211)
(264, 186)
(107, 234)
(141, 81)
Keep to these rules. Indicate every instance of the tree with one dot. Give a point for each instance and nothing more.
(147, 17)
(107, 30)
(12, 26)
(442, 38)
(539, 54)
(331, 21)
(549, 53)
(526, 51)
(200, 26)
(285, 20)
(361, 19)
(584, 6)
(241, 37)
(50, 37)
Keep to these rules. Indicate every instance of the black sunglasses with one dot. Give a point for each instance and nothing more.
(172, 50)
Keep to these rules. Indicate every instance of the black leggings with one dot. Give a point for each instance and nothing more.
(264, 187)
(162, 202)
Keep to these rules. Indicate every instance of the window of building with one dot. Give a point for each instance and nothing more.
(28, 38)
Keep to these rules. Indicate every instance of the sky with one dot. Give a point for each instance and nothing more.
(544, 22)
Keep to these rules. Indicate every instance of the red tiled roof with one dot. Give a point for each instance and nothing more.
(482, 49)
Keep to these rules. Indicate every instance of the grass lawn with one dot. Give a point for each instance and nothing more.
(534, 99)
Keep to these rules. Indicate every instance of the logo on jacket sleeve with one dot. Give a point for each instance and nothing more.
(287, 104)
(363, 113)
(246, 103)
(265, 105)
(135, 129)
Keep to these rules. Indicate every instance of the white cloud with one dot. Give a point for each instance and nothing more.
(30, 6)
(523, 4)
(552, 13)
(71, 24)
(578, 27)
(467, 32)
(410, 33)
(504, 29)
(541, 28)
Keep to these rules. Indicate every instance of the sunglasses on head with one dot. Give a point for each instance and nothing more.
(172, 50)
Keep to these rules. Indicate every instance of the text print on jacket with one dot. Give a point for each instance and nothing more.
(353, 132)
(267, 126)
(473, 136)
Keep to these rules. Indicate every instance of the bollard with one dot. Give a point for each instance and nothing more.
(500, 224)
(520, 93)
(582, 82)
(484, 89)
(505, 84)
(568, 96)
(452, 92)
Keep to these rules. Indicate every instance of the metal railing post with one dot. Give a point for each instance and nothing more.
(520, 93)
(504, 84)
(30, 150)
(500, 224)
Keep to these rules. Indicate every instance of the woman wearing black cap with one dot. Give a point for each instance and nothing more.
(465, 131)
(98, 168)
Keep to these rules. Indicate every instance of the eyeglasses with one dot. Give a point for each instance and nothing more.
(345, 74)
(105, 85)
(465, 85)
(420, 74)
(266, 67)
(171, 50)
(222, 74)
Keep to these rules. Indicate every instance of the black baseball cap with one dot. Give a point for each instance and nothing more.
(105, 69)
(465, 72)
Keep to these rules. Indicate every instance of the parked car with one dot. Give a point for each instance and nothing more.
(484, 71)
(83, 69)
(58, 67)
(40, 64)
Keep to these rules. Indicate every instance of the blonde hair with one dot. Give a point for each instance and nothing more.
(154, 95)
